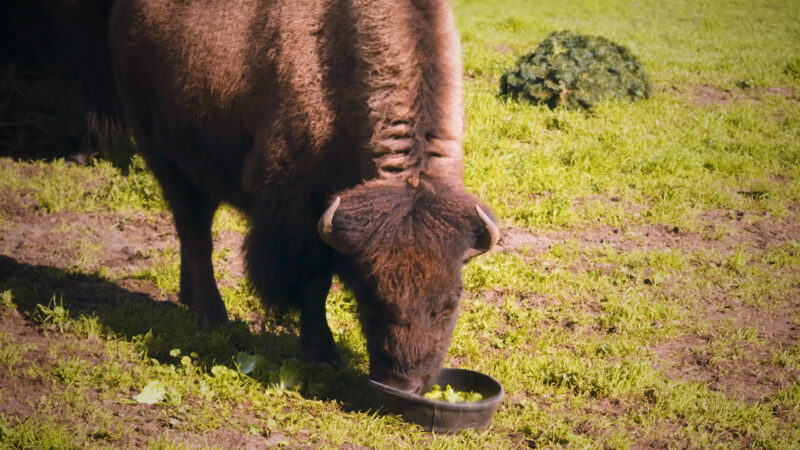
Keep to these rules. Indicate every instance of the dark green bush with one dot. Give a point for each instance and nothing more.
(575, 71)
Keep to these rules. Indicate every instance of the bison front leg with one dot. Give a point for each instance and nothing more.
(316, 339)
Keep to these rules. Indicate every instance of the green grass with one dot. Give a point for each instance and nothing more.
(537, 166)
(58, 186)
(669, 259)
(534, 164)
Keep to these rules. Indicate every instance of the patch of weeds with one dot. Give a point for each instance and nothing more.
(7, 301)
(70, 370)
(35, 432)
(739, 261)
(792, 68)
(53, 316)
(599, 378)
(59, 186)
(713, 419)
(553, 209)
(786, 255)
(13, 353)
(547, 434)
(342, 316)
(241, 301)
(729, 345)
(138, 190)
(110, 375)
(477, 325)
(88, 249)
(760, 288)
(635, 312)
(789, 399)
(788, 359)
(164, 271)
(88, 326)
(501, 270)
(228, 218)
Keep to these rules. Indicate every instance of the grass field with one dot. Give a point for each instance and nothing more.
(646, 292)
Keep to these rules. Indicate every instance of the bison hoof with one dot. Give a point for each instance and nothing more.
(208, 323)
(330, 356)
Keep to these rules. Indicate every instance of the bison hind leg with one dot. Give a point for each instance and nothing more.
(193, 212)
(198, 286)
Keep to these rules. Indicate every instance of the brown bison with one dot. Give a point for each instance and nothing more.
(336, 125)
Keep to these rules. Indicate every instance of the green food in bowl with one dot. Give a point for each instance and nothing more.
(451, 396)
(439, 415)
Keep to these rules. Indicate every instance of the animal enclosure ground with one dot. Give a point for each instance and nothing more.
(646, 292)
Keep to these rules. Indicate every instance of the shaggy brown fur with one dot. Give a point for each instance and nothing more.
(276, 106)
(406, 272)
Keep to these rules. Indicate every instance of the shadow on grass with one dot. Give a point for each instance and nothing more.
(157, 327)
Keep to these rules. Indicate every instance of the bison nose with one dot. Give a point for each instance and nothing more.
(406, 384)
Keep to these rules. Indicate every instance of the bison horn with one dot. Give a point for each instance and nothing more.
(325, 228)
(487, 239)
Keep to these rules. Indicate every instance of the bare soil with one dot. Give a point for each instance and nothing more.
(705, 94)
(739, 228)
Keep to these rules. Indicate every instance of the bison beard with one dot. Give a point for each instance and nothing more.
(337, 128)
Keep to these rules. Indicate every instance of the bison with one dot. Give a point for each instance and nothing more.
(336, 126)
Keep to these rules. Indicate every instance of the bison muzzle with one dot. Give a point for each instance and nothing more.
(336, 126)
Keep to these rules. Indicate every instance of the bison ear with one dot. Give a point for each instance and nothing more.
(326, 232)
(486, 239)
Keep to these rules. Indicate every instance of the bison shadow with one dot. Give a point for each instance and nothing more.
(156, 327)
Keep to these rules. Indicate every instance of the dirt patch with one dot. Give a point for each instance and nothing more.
(734, 354)
(18, 391)
(749, 377)
(503, 49)
(720, 230)
(644, 237)
(610, 410)
(513, 238)
(747, 229)
(667, 438)
(704, 94)
(230, 262)
(117, 243)
(221, 437)
(743, 369)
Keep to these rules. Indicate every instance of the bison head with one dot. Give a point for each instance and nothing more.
(403, 249)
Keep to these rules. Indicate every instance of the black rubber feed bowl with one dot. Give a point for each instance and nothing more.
(440, 416)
